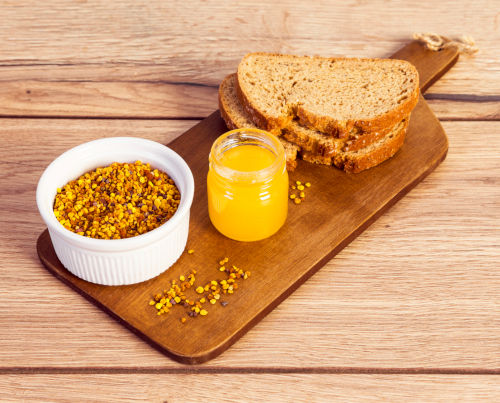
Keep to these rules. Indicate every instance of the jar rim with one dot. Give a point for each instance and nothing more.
(247, 136)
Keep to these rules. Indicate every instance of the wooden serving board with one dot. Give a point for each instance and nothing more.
(337, 209)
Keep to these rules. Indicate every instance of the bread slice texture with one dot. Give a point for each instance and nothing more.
(317, 147)
(313, 141)
(235, 117)
(365, 158)
(331, 95)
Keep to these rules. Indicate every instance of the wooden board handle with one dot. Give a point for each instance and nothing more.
(431, 65)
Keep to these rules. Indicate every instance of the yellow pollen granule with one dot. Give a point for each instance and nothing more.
(121, 200)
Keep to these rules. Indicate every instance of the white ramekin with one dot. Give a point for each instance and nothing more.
(117, 261)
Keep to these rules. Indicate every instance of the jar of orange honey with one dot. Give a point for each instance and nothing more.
(247, 185)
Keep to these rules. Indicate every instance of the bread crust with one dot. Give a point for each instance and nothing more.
(325, 124)
(231, 125)
(360, 140)
(330, 146)
(361, 162)
(310, 144)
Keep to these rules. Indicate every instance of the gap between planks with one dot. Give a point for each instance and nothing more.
(76, 117)
(194, 118)
(472, 98)
(248, 370)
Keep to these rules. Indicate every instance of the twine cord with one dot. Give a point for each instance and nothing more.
(464, 44)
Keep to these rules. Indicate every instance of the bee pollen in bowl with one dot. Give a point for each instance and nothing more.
(121, 200)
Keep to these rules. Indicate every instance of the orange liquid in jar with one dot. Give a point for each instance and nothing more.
(248, 197)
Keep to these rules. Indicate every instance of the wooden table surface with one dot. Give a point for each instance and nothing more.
(409, 311)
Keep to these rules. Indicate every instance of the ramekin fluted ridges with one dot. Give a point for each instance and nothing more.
(117, 261)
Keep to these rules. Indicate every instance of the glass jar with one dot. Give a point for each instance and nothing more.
(247, 184)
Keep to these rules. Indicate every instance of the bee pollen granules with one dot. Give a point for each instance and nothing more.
(121, 200)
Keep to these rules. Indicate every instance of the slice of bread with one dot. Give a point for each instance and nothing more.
(364, 158)
(316, 147)
(235, 117)
(309, 140)
(330, 95)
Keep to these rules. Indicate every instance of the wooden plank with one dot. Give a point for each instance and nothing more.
(97, 31)
(449, 107)
(171, 100)
(159, 100)
(360, 310)
(473, 75)
(184, 388)
(143, 92)
(106, 99)
(132, 59)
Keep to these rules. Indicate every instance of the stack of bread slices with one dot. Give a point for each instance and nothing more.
(350, 113)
